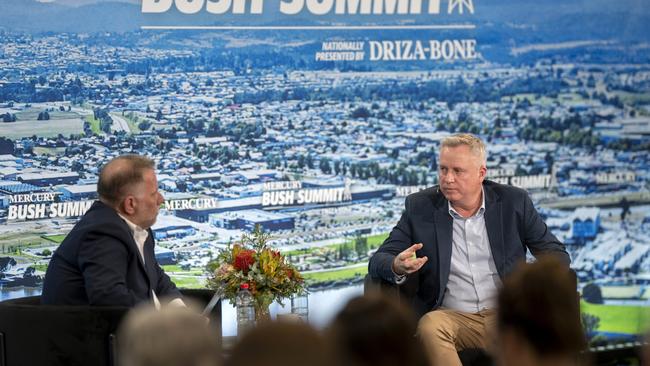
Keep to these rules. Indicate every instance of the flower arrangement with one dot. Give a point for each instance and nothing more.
(269, 276)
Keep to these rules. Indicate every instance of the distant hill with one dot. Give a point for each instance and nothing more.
(77, 3)
(35, 17)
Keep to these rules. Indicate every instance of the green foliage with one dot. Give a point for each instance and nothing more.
(361, 112)
(361, 246)
(7, 117)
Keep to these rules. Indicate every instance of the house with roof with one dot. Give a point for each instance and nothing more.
(248, 219)
(585, 223)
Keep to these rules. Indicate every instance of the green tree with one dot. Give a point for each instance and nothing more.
(361, 246)
(144, 125)
(361, 112)
(7, 117)
(324, 166)
(6, 146)
(345, 251)
(590, 324)
(337, 167)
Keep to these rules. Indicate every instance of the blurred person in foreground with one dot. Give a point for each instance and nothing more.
(456, 243)
(278, 343)
(108, 256)
(538, 317)
(171, 336)
(374, 330)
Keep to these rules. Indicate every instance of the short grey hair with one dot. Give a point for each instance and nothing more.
(475, 144)
(119, 174)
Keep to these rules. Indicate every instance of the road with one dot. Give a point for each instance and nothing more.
(119, 123)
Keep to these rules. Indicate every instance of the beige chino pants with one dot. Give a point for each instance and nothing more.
(444, 332)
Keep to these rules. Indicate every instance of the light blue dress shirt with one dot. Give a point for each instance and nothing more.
(473, 278)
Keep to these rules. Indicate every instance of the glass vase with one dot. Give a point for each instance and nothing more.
(262, 313)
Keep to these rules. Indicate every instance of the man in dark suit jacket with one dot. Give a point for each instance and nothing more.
(108, 257)
(456, 242)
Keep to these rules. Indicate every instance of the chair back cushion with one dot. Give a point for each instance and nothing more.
(36, 334)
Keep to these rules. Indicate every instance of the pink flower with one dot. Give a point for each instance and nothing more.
(225, 269)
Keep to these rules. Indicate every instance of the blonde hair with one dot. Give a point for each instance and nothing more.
(475, 144)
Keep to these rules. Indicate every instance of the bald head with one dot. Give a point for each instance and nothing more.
(119, 177)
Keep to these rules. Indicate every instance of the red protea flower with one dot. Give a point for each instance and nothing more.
(244, 260)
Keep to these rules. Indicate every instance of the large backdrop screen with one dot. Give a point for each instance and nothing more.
(314, 119)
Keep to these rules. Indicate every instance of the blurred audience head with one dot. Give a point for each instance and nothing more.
(375, 330)
(172, 336)
(280, 344)
(539, 316)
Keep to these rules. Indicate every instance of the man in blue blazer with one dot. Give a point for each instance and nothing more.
(108, 257)
(455, 243)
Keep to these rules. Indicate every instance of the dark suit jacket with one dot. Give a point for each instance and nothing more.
(98, 263)
(512, 225)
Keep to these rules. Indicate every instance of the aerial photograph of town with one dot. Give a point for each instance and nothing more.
(317, 134)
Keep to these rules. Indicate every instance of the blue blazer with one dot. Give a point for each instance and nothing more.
(98, 263)
(512, 224)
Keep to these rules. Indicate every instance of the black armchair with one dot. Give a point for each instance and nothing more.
(403, 293)
(35, 334)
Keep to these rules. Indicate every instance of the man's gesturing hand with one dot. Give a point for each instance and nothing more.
(406, 262)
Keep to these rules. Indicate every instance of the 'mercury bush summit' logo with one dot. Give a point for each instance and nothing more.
(315, 7)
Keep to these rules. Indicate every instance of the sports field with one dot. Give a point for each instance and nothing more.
(619, 318)
(50, 128)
